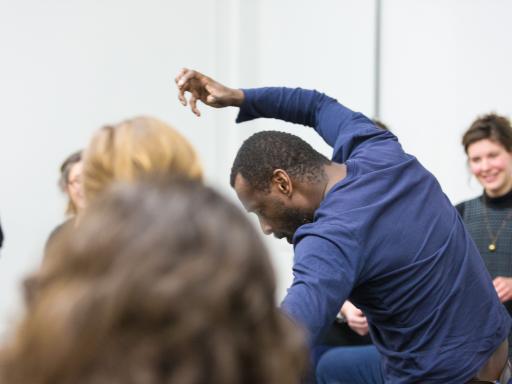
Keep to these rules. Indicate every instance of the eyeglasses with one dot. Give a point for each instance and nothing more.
(76, 182)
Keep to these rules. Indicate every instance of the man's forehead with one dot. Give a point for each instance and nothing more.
(241, 184)
(249, 197)
(243, 190)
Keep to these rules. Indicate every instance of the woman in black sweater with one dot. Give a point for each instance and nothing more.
(488, 145)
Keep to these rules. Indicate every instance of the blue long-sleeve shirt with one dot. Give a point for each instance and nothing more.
(387, 238)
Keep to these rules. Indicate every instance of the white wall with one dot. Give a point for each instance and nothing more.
(443, 63)
(69, 66)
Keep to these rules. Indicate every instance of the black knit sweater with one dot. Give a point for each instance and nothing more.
(483, 231)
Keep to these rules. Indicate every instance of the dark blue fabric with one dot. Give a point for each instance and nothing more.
(388, 239)
(350, 365)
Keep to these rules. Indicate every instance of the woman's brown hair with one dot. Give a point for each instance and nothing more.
(493, 127)
(162, 283)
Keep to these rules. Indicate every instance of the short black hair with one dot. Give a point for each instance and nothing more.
(266, 151)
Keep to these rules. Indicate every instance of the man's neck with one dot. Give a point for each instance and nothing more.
(314, 193)
(335, 172)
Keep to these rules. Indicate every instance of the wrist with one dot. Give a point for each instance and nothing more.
(237, 97)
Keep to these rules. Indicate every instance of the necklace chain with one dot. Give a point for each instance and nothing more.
(494, 238)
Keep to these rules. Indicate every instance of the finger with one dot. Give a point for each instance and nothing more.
(193, 105)
(181, 89)
(182, 98)
(357, 323)
(180, 74)
(186, 77)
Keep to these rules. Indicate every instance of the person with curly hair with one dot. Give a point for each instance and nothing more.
(162, 283)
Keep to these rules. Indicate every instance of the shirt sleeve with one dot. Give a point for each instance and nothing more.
(340, 127)
(323, 280)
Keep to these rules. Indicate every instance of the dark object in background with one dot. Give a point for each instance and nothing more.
(1, 236)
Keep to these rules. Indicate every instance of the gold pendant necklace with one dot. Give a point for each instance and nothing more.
(494, 238)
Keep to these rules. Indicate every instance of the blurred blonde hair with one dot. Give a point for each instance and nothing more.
(136, 148)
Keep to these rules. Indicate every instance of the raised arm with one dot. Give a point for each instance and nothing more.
(339, 126)
(300, 106)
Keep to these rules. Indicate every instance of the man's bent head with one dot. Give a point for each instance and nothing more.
(266, 173)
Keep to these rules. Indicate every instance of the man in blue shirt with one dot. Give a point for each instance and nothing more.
(370, 225)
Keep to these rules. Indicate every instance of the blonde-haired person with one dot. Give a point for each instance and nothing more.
(127, 151)
(161, 283)
(136, 148)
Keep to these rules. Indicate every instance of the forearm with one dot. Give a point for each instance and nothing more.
(310, 310)
(236, 97)
(319, 288)
(299, 106)
(292, 105)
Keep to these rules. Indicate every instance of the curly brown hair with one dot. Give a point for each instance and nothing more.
(160, 283)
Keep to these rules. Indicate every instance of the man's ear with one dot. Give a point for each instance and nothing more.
(282, 182)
